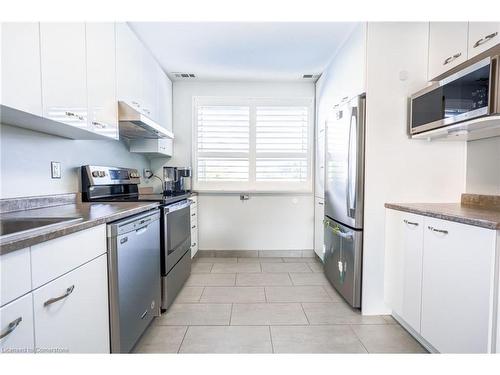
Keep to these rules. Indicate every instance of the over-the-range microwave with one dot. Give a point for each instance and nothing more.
(471, 93)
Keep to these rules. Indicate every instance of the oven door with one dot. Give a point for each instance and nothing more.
(463, 96)
(176, 233)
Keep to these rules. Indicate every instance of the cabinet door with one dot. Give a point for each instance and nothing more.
(71, 312)
(128, 66)
(194, 226)
(15, 275)
(21, 82)
(447, 46)
(149, 100)
(101, 79)
(483, 36)
(319, 178)
(64, 77)
(319, 228)
(164, 100)
(16, 326)
(403, 259)
(457, 286)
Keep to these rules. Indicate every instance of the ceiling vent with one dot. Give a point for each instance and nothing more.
(310, 76)
(183, 75)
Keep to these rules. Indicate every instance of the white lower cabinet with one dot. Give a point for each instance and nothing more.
(440, 280)
(16, 326)
(404, 244)
(319, 228)
(71, 312)
(194, 225)
(457, 286)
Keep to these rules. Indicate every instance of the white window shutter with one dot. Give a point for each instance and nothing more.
(222, 143)
(282, 143)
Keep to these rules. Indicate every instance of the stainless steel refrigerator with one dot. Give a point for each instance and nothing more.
(345, 150)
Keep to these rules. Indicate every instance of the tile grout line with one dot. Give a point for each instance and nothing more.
(182, 341)
(231, 314)
(271, 338)
(201, 295)
(304, 311)
(360, 341)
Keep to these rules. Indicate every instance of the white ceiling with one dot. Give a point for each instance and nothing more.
(243, 51)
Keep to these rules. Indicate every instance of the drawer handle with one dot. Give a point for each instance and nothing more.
(144, 314)
(99, 125)
(452, 58)
(410, 223)
(193, 214)
(193, 244)
(320, 203)
(194, 226)
(485, 39)
(438, 230)
(11, 327)
(53, 300)
(72, 114)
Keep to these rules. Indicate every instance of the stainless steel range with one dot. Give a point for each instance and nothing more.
(113, 184)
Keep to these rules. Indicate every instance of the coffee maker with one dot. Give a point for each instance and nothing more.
(176, 180)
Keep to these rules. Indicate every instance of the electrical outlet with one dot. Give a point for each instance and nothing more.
(55, 168)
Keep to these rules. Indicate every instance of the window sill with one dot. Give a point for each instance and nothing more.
(254, 192)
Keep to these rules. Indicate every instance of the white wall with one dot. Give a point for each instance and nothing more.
(483, 166)
(26, 155)
(397, 169)
(265, 222)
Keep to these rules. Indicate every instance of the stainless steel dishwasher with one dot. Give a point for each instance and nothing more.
(134, 277)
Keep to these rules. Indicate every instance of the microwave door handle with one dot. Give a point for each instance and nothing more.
(351, 192)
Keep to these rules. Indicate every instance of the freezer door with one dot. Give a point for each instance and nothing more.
(342, 264)
(345, 132)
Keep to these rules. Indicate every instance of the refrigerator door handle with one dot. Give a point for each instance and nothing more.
(351, 164)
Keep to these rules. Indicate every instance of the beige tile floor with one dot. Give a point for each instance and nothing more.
(268, 305)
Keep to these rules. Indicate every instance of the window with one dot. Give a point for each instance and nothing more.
(252, 144)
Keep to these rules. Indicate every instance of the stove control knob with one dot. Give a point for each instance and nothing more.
(102, 173)
(95, 174)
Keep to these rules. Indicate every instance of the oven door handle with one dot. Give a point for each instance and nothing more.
(177, 207)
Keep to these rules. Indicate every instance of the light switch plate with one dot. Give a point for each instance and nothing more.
(55, 168)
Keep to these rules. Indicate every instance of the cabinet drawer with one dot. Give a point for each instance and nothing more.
(71, 312)
(53, 258)
(15, 271)
(16, 326)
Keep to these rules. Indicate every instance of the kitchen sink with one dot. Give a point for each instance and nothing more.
(14, 226)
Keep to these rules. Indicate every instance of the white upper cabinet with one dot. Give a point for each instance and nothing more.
(447, 46)
(164, 99)
(21, 83)
(128, 66)
(149, 100)
(64, 73)
(101, 79)
(483, 36)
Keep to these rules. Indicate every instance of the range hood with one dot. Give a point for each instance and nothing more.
(136, 125)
